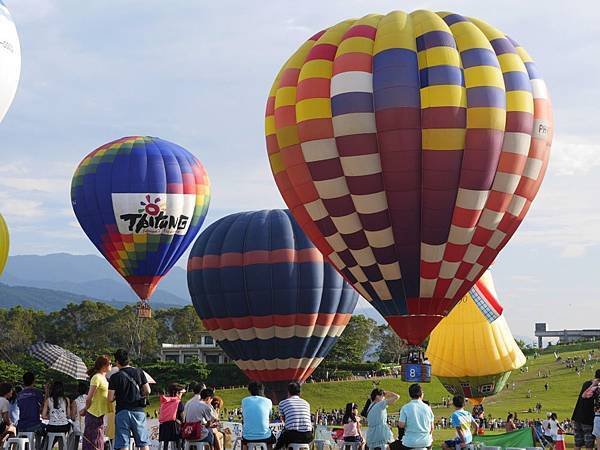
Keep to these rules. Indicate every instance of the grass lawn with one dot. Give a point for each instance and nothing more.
(564, 387)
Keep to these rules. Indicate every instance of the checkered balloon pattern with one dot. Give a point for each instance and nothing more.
(141, 200)
(409, 147)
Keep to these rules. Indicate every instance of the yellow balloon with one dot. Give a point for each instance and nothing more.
(472, 350)
(4, 243)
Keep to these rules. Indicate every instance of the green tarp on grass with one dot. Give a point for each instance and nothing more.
(520, 438)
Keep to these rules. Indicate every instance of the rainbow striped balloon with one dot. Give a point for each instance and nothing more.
(267, 296)
(141, 200)
(409, 148)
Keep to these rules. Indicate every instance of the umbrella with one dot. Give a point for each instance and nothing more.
(60, 359)
(115, 369)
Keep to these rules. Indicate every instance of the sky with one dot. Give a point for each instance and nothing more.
(198, 73)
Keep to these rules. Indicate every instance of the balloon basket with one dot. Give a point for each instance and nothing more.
(415, 367)
(144, 311)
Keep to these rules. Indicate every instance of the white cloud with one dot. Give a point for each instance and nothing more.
(574, 155)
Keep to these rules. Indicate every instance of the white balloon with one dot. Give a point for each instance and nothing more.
(10, 60)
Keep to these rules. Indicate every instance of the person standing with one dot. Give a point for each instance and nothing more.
(170, 416)
(295, 414)
(583, 418)
(510, 423)
(129, 388)
(256, 409)
(30, 401)
(96, 405)
(379, 434)
(417, 420)
(351, 423)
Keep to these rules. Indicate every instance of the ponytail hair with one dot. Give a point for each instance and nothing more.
(101, 361)
(374, 393)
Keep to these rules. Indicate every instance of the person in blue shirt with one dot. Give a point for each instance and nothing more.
(30, 401)
(462, 421)
(416, 418)
(256, 409)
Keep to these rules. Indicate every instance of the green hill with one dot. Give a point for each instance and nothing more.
(564, 386)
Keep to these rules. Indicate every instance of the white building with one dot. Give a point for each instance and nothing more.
(206, 351)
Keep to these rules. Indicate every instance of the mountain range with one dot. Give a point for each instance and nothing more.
(50, 282)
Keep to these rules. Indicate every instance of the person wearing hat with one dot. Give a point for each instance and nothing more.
(170, 415)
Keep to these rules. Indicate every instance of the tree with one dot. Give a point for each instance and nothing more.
(354, 341)
(179, 325)
(389, 346)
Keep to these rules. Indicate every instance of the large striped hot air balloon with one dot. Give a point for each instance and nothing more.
(4, 243)
(409, 148)
(267, 296)
(472, 351)
(10, 60)
(141, 201)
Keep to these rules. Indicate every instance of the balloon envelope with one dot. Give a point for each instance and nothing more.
(4, 243)
(10, 60)
(267, 296)
(409, 148)
(141, 200)
(472, 350)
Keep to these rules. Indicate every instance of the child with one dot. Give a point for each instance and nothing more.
(462, 421)
(351, 423)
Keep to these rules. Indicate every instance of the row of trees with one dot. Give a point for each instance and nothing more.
(92, 328)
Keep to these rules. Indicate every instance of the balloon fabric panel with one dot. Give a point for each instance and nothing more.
(10, 60)
(141, 201)
(4, 243)
(409, 148)
(473, 348)
(267, 296)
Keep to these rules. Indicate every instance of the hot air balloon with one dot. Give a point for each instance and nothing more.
(10, 60)
(409, 148)
(4, 243)
(266, 295)
(472, 350)
(141, 200)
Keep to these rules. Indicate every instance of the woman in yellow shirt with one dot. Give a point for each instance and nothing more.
(96, 405)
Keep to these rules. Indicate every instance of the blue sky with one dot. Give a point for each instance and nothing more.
(198, 73)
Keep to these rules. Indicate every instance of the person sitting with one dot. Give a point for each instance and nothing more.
(30, 401)
(295, 414)
(217, 404)
(462, 421)
(199, 409)
(57, 410)
(416, 418)
(7, 428)
(351, 423)
(256, 409)
(379, 434)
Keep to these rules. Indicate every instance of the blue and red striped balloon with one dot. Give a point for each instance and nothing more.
(267, 296)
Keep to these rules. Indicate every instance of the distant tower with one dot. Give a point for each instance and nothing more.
(540, 327)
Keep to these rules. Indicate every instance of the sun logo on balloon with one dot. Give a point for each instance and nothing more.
(152, 208)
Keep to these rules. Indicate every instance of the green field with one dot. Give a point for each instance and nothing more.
(564, 386)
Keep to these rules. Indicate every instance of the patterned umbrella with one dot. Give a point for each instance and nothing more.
(59, 359)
